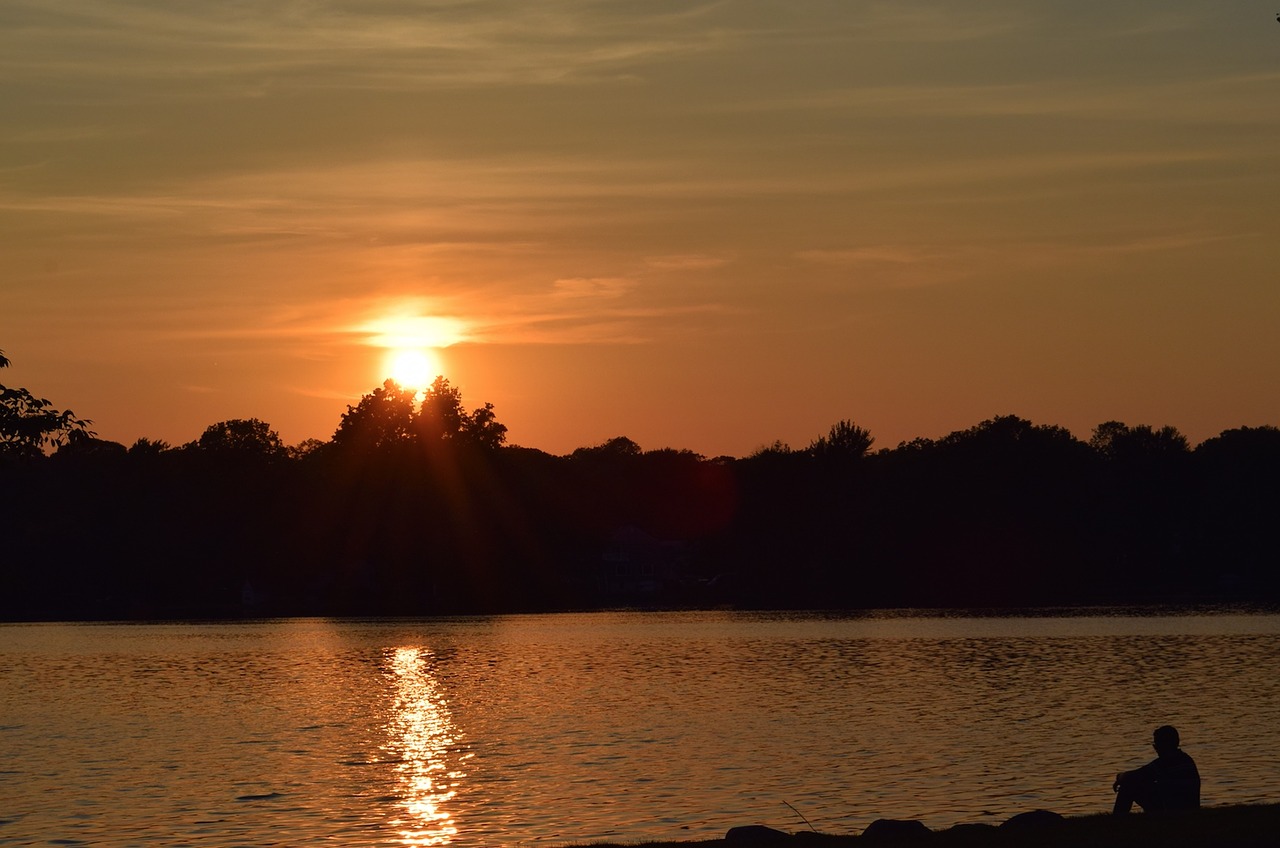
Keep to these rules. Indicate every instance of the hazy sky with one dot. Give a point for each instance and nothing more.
(703, 225)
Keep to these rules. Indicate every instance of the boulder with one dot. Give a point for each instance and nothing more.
(753, 834)
(1033, 820)
(894, 829)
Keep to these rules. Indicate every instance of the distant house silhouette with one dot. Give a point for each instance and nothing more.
(637, 565)
(252, 599)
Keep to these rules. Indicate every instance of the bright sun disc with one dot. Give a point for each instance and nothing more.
(412, 369)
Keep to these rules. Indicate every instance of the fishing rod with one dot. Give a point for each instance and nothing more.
(801, 815)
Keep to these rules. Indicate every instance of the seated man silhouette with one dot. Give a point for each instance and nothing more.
(1169, 782)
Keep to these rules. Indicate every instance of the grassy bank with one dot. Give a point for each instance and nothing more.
(1251, 826)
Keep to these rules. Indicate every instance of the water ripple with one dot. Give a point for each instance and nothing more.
(610, 726)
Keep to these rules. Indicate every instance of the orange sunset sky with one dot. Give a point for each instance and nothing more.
(703, 225)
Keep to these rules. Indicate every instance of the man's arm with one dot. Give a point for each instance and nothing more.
(1147, 772)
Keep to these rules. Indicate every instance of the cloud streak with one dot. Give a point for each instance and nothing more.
(348, 45)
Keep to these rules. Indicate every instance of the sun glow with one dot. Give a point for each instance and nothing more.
(412, 342)
(413, 368)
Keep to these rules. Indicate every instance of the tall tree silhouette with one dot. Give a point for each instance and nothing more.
(382, 418)
(443, 418)
(845, 440)
(242, 437)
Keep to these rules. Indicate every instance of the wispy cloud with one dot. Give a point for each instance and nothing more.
(937, 22)
(521, 323)
(1219, 98)
(566, 311)
(892, 254)
(902, 265)
(1163, 242)
(592, 287)
(687, 262)
(343, 44)
(346, 201)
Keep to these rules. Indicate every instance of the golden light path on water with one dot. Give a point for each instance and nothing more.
(423, 737)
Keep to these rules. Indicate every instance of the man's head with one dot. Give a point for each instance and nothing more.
(1165, 739)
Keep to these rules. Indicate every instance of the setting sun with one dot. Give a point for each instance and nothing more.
(413, 368)
(412, 342)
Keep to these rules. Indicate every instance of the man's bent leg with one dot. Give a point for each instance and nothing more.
(1135, 791)
(1124, 801)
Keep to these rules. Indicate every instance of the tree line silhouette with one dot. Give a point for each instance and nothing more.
(416, 506)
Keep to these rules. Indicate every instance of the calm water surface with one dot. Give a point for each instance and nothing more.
(619, 726)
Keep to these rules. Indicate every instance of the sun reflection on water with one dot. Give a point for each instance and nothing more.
(424, 740)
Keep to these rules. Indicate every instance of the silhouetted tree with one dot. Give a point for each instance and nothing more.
(1005, 512)
(149, 447)
(443, 418)
(484, 430)
(1141, 444)
(305, 448)
(618, 446)
(30, 425)
(382, 418)
(776, 448)
(1008, 433)
(242, 437)
(845, 440)
(989, 514)
(1245, 447)
(81, 445)
(1138, 519)
(1238, 535)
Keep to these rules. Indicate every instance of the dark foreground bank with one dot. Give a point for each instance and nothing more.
(1251, 826)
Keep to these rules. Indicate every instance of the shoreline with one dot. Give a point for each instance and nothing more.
(1234, 826)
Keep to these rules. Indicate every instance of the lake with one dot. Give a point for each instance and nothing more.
(612, 726)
